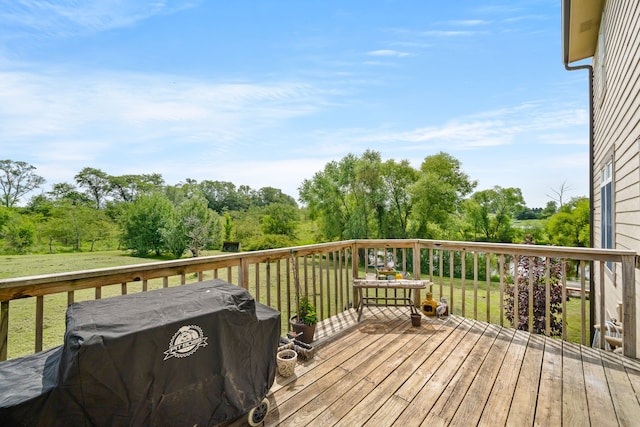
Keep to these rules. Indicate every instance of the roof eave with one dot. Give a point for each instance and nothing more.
(580, 28)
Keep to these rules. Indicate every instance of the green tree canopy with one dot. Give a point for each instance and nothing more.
(570, 226)
(437, 194)
(490, 212)
(143, 221)
(280, 219)
(16, 180)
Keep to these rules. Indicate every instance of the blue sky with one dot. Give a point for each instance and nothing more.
(265, 93)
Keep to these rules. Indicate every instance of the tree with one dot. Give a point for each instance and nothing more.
(559, 194)
(223, 196)
(16, 180)
(327, 197)
(489, 212)
(281, 219)
(270, 195)
(437, 194)
(142, 223)
(174, 234)
(570, 226)
(202, 225)
(549, 209)
(97, 184)
(19, 233)
(126, 188)
(66, 191)
(72, 224)
(397, 177)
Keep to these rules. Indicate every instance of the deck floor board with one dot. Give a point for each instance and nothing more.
(382, 372)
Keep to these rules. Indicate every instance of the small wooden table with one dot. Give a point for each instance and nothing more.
(400, 284)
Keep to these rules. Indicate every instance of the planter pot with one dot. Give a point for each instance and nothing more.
(286, 361)
(306, 330)
(416, 319)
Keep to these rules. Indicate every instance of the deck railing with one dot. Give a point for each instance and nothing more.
(474, 278)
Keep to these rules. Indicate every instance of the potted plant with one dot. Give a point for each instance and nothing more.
(305, 319)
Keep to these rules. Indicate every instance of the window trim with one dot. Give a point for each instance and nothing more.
(607, 207)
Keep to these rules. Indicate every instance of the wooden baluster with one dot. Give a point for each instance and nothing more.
(501, 266)
(516, 293)
(278, 286)
(601, 309)
(463, 276)
(451, 270)
(39, 322)
(547, 296)
(475, 285)
(323, 286)
(268, 283)
(4, 329)
(488, 278)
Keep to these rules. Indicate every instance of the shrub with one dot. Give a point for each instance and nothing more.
(538, 267)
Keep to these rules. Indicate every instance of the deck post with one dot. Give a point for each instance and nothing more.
(629, 305)
(416, 270)
(355, 258)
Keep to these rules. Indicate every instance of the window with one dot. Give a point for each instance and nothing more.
(606, 208)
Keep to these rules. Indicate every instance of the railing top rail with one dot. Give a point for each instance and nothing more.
(21, 287)
(589, 254)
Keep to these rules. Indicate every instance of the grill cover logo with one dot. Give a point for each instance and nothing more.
(185, 342)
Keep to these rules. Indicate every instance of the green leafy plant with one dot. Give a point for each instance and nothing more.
(307, 312)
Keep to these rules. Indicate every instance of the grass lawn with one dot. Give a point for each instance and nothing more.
(33, 265)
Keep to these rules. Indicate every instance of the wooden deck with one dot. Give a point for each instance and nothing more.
(460, 372)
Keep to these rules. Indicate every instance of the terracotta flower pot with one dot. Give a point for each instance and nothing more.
(307, 331)
(416, 319)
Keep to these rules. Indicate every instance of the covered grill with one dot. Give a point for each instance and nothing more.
(198, 354)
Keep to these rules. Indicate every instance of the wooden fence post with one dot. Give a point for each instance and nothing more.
(628, 306)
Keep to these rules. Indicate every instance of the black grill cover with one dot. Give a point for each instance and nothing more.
(198, 354)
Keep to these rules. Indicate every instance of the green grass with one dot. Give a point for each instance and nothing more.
(32, 265)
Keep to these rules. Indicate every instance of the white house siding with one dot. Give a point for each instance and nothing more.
(617, 134)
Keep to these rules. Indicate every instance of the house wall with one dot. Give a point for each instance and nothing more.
(616, 66)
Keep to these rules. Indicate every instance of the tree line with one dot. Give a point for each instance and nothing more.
(359, 196)
(140, 213)
(363, 197)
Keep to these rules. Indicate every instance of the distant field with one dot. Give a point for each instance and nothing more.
(33, 265)
(529, 223)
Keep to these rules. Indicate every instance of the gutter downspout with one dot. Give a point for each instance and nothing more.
(566, 4)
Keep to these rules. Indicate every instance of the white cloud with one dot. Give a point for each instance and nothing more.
(62, 18)
(485, 129)
(471, 22)
(143, 107)
(448, 33)
(388, 52)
